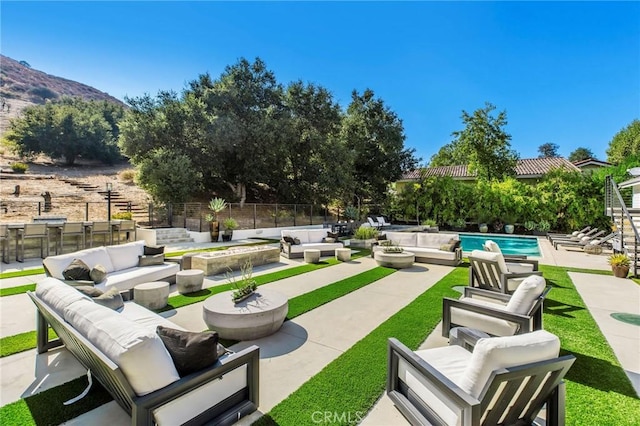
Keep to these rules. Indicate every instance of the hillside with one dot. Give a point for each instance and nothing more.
(22, 86)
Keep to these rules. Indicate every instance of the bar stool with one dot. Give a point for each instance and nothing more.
(4, 241)
(100, 228)
(72, 229)
(32, 230)
(126, 226)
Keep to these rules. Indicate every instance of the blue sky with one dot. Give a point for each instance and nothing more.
(567, 73)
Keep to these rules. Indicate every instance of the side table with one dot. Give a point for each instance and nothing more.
(153, 295)
(189, 280)
(311, 256)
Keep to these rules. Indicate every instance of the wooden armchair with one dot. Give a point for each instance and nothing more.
(505, 380)
(495, 313)
(490, 271)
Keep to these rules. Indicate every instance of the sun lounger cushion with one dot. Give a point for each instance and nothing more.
(503, 352)
(138, 351)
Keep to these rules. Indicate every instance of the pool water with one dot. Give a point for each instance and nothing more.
(509, 245)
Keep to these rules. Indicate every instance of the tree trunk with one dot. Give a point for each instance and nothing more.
(240, 190)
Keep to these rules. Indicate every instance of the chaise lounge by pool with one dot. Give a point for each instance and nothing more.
(508, 244)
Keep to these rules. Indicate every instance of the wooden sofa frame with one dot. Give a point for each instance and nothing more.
(141, 408)
(526, 323)
(545, 377)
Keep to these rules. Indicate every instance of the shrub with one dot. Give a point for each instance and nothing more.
(122, 216)
(619, 259)
(19, 167)
(230, 223)
(127, 175)
(429, 222)
(365, 233)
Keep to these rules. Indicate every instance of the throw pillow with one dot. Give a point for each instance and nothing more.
(77, 270)
(288, 239)
(111, 299)
(151, 250)
(456, 243)
(332, 235)
(190, 351)
(447, 247)
(89, 290)
(296, 241)
(156, 259)
(98, 273)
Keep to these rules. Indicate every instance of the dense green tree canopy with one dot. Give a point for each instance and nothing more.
(483, 145)
(376, 137)
(580, 153)
(548, 150)
(68, 129)
(626, 142)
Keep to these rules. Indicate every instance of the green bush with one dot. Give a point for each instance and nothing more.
(365, 233)
(19, 167)
(122, 216)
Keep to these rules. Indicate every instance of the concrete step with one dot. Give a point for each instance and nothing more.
(164, 241)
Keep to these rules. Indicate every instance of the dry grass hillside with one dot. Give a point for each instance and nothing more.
(72, 189)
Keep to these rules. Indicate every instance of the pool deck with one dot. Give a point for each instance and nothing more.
(309, 342)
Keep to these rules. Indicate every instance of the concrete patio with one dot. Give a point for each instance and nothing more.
(306, 344)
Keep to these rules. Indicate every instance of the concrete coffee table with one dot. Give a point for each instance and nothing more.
(395, 260)
(343, 254)
(153, 295)
(311, 256)
(259, 315)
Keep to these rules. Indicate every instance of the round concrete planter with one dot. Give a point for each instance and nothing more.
(395, 260)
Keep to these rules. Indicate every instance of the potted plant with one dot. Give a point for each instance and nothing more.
(245, 286)
(430, 225)
(229, 225)
(482, 224)
(510, 224)
(392, 248)
(351, 213)
(530, 225)
(364, 237)
(542, 228)
(620, 264)
(216, 205)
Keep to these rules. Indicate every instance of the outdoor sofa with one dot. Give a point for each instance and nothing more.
(121, 263)
(427, 247)
(294, 242)
(122, 350)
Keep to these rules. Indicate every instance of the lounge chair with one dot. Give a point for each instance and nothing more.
(373, 223)
(489, 270)
(383, 222)
(584, 240)
(584, 243)
(495, 313)
(573, 234)
(505, 380)
(590, 233)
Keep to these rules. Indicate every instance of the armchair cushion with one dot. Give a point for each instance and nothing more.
(77, 270)
(503, 352)
(526, 294)
(487, 323)
(493, 257)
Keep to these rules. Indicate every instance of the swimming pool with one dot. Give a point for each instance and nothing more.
(508, 244)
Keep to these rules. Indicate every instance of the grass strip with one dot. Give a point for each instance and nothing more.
(20, 342)
(351, 384)
(598, 390)
(23, 273)
(316, 298)
(11, 291)
(46, 407)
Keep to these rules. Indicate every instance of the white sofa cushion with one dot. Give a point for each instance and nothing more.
(128, 278)
(432, 253)
(300, 234)
(503, 352)
(126, 255)
(299, 248)
(92, 257)
(138, 351)
(434, 240)
(526, 294)
(146, 318)
(317, 235)
(58, 295)
(404, 239)
(487, 323)
(451, 361)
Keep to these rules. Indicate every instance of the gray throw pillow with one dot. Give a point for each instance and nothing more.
(77, 270)
(151, 250)
(98, 273)
(447, 247)
(288, 239)
(111, 299)
(156, 259)
(190, 351)
(89, 290)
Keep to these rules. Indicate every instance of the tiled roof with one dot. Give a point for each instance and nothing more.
(527, 167)
(591, 162)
